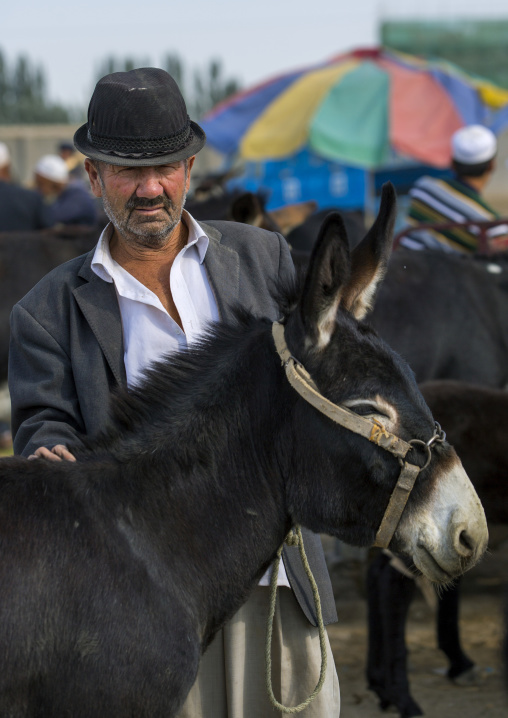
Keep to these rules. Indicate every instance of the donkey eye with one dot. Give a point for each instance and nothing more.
(366, 408)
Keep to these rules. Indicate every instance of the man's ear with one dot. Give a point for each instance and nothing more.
(93, 176)
(190, 162)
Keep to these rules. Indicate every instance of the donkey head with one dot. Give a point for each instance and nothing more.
(443, 525)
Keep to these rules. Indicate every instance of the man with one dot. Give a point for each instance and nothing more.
(74, 161)
(440, 201)
(153, 283)
(20, 208)
(67, 202)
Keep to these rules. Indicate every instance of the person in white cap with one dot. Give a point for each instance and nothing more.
(68, 203)
(5, 161)
(20, 208)
(74, 161)
(458, 199)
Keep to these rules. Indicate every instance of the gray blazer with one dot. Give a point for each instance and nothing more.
(66, 354)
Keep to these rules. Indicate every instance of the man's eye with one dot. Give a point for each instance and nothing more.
(123, 170)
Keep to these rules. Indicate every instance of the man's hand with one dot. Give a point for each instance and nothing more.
(57, 453)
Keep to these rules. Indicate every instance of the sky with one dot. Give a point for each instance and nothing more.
(254, 40)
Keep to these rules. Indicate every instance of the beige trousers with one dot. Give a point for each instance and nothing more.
(231, 677)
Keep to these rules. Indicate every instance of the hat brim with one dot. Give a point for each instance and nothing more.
(196, 143)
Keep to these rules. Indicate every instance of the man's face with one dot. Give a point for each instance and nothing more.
(48, 188)
(144, 203)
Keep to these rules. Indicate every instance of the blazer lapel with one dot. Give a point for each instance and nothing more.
(223, 268)
(98, 302)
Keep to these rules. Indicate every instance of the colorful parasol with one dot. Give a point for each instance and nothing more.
(362, 109)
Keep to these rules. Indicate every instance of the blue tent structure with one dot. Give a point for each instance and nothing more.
(304, 176)
(307, 176)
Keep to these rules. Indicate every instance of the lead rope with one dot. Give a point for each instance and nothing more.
(294, 538)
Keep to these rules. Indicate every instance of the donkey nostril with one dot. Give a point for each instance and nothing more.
(466, 543)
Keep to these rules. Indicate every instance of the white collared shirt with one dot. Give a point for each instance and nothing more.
(148, 331)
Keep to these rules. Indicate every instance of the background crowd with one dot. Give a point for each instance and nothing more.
(59, 195)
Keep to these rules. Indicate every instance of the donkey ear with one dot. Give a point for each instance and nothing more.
(369, 259)
(327, 275)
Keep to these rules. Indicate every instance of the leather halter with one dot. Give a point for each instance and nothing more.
(374, 431)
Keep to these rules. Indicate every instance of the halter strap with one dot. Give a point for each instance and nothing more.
(301, 381)
(374, 431)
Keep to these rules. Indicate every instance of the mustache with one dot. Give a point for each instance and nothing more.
(145, 202)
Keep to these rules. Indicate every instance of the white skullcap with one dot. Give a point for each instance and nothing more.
(5, 157)
(52, 167)
(473, 145)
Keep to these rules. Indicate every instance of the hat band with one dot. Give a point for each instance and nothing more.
(139, 148)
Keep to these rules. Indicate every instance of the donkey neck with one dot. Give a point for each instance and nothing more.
(200, 466)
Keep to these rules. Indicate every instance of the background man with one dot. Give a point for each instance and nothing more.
(458, 199)
(151, 286)
(74, 161)
(67, 202)
(20, 208)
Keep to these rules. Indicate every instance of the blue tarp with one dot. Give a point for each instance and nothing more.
(304, 176)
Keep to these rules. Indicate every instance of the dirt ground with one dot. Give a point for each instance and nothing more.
(481, 631)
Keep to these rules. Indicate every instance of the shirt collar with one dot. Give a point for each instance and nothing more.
(197, 235)
(103, 263)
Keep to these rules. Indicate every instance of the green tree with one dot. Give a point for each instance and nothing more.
(210, 88)
(4, 85)
(23, 95)
(174, 66)
(207, 88)
(114, 64)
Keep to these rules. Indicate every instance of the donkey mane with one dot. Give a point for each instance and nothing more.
(186, 393)
(167, 393)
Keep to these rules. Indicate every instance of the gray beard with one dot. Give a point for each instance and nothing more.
(138, 234)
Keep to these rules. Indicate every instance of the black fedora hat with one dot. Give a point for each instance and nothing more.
(139, 118)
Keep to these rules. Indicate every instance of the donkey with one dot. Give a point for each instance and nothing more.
(475, 419)
(117, 570)
(25, 257)
(421, 309)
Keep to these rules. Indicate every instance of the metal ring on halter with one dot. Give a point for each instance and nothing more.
(426, 448)
(438, 438)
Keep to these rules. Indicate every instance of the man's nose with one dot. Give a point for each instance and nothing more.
(149, 183)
